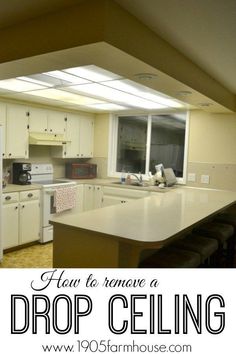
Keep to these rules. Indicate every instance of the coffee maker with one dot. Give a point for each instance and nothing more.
(20, 173)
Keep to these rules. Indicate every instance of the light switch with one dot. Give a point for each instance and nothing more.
(205, 179)
(191, 177)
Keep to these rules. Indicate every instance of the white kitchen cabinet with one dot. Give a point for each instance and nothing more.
(56, 122)
(109, 200)
(114, 195)
(10, 217)
(92, 197)
(79, 132)
(46, 121)
(29, 221)
(38, 120)
(21, 217)
(72, 148)
(3, 111)
(16, 132)
(79, 200)
(86, 137)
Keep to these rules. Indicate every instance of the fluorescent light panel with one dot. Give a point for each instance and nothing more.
(106, 89)
(142, 91)
(92, 73)
(68, 78)
(19, 85)
(64, 96)
(114, 95)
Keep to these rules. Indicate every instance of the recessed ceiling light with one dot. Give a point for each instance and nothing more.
(145, 76)
(184, 93)
(205, 104)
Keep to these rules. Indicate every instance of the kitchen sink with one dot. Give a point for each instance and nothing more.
(135, 184)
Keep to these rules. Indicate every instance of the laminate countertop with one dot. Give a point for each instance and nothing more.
(20, 188)
(152, 219)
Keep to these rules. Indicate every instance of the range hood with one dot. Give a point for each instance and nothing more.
(47, 139)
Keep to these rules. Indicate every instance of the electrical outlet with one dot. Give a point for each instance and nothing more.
(205, 179)
(191, 177)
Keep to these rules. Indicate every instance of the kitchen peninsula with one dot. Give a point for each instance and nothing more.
(115, 236)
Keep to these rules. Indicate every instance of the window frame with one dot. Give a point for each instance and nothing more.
(113, 136)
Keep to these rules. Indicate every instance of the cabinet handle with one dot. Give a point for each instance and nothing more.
(50, 130)
(8, 197)
(45, 129)
(30, 195)
(23, 206)
(16, 208)
(10, 154)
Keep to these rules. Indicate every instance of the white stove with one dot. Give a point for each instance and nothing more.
(43, 174)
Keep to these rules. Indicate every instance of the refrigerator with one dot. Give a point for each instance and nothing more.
(1, 253)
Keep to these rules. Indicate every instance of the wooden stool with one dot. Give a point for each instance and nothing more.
(171, 257)
(224, 234)
(206, 247)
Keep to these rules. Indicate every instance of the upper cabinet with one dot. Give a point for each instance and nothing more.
(16, 137)
(18, 120)
(79, 133)
(86, 136)
(72, 147)
(3, 113)
(45, 121)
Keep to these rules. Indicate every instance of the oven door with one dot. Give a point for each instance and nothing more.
(48, 208)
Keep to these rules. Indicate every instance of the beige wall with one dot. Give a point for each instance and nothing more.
(101, 133)
(212, 138)
(101, 140)
(212, 148)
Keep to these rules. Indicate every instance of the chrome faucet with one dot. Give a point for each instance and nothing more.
(139, 178)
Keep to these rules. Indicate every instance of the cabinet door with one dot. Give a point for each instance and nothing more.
(88, 197)
(108, 200)
(3, 125)
(56, 122)
(37, 120)
(79, 200)
(29, 221)
(86, 136)
(17, 132)
(72, 134)
(97, 197)
(10, 215)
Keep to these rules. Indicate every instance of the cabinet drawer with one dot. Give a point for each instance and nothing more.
(125, 192)
(8, 198)
(29, 195)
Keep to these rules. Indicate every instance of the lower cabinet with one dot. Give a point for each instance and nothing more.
(114, 195)
(92, 197)
(21, 218)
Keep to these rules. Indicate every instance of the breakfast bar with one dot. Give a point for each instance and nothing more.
(115, 236)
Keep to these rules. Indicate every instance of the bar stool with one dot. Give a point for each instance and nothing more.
(224, 234)
(171, 257)
(206, 247)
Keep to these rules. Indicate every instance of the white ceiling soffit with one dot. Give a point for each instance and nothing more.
(203, 30)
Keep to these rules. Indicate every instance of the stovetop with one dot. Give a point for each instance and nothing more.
(51, 182)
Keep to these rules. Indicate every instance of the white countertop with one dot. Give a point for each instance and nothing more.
(154, 218)
(20, 188)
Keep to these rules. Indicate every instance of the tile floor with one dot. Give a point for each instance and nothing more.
(37, 256)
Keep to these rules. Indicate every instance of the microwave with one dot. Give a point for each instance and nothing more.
(81, 170)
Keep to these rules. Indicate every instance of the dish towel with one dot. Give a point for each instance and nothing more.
(65, 198)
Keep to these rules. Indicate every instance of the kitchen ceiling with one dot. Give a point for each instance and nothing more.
(202, 30)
